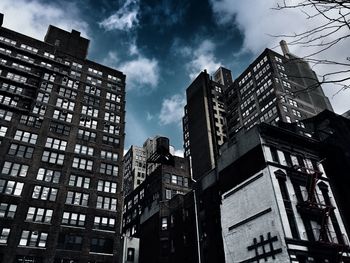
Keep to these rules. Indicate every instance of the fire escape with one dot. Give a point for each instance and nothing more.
(313, 208)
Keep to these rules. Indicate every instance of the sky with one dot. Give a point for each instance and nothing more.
(162, 45)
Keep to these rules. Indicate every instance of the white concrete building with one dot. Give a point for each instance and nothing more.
(285, 211)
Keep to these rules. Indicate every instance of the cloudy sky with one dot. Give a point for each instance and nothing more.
(161, 45)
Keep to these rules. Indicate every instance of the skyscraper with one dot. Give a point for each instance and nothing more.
(274, 87)
(62, 139)
(204, 123)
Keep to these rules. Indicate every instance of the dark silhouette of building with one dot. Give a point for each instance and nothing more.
(62, 139)
(160, 211)
(204, 129)
(274, 87)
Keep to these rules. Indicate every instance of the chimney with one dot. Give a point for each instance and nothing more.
(284, 47)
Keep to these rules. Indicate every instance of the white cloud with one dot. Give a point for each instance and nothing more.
(141, 73)
(203, 58)
(149, 116)
(179, 153)
(259, 22)
(125, 18)
(172, 110)
(33, 17)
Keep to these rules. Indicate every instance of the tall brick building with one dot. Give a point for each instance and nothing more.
(62, 138)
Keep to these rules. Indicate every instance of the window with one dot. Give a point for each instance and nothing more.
(112, 117)
(102, 245)
(92, 90)
(14, 169)
(7, 40)
(288, 119)
(53, 157)
(293, 102)
(164, 223)
(43, 97)
(82, 149)
(25, 58)
(296, 113)
(167, 194)
(16, 77)
(92, 101)
(77, 198)
(37, 214)
(79, 181)
(75, 74)
(69, 242)
(29, 48)
(86, 135)
(46, 86)
(49, 77)
(62, 115)
(11, 88)
(106, 203)
(65, 104)
(112, 129)
(68, 93)
(5, 51)
(74, 219)
(33, 239)
(112, 106)
(8, 100)
(113, 78)
(56, 144)
(113, 97)
(77, 66)
(26, 137)
(49, 55)
(7, 210)
(130, 254)
(39, 109)
(109, 155)
(83, 164)
(285, 109)
(5, 115)
(48, 175)
(94, 72)
(11, 187)
(110, 140)
(105, 223)
(90, 111)
(59, 128)
(107, 186)
(45, 64)
(93, 81)
(4, 234)
(21, 67)
(88, 122)
(109, 169)
(21, 151)
(44, 193)
(31, 121)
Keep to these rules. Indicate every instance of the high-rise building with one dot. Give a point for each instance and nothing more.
(274, 88)
(204, 128)
(62, 139)
(160, 210)
(134, 170)
(135, 164)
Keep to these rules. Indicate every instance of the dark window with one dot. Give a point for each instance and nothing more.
(69, 242)
(59, 128)
(102, 245)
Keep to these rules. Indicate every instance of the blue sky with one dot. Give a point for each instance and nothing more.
(161, 45)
